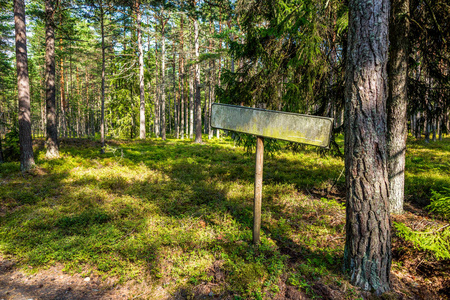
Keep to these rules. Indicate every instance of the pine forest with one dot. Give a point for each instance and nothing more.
(115, 182)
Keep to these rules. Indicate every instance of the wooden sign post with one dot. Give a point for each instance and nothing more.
(305, 129)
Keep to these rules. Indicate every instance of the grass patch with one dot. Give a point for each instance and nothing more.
(178, 214)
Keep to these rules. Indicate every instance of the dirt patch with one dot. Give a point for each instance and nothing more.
(53, 283)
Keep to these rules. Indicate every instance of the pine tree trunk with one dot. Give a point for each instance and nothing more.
(367, 255)
(213, 83)
(397, 103)
(191, 104)
(141, 74)
(157, 93)
(62, 94)
(23, 86)
(198, 104)
(102, 117)
(52, 130)
(163, 82)
(181, 79)
(176, 98)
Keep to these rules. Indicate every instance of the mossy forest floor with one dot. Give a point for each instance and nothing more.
(173, 220)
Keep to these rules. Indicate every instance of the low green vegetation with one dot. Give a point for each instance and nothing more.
(436, 240)
(440, 203)
(178, 214)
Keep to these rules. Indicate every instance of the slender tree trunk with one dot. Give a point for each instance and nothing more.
(62, 92)
(157, 93)
(198, 104)
(397, 103)
(367, 255)
(213, 96)
(78, 117)
(212, 73)
(23, 86)
(52, 130)
(163, 78)
(191, 104)
(220, 70)
(42, 104)
(175, 97)
(426, 126)
(181, 80)
(141, 74)
(102, 117)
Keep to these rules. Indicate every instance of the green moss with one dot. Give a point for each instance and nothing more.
(174, 210)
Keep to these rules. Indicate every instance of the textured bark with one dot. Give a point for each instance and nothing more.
(52, 130)
(397, 102)
(367, 255)
(198, 107)
(102, 112)
(23, 86)
(141, 73)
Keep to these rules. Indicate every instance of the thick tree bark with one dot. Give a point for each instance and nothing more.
(367, 255)
(141, 74)
(397, 103)
(52, 130)
(198, 104)
(23, 86)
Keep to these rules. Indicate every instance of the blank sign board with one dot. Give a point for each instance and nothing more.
(305, 129)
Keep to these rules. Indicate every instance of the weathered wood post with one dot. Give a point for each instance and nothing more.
(310, 130)
(258, 189)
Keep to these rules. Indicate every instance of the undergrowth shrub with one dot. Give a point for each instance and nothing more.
(436, 242)
(440, 203)
(11, 147)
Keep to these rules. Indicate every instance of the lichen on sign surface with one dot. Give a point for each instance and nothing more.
(305, 129)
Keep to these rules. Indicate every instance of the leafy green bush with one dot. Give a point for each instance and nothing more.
(437, 241)
(440, 203)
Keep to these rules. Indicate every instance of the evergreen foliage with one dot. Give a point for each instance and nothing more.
(436, 241)
(440, 203)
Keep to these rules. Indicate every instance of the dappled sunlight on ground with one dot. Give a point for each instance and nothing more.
(177, 216)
